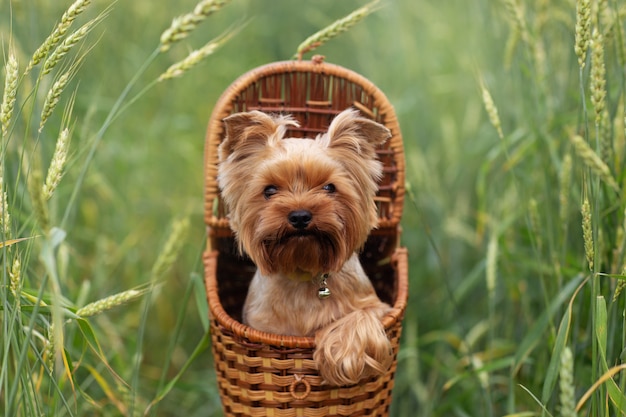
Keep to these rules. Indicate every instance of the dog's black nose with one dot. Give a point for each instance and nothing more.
(300, 219)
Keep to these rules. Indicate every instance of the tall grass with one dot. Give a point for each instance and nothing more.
(537, 320)
(54, 360)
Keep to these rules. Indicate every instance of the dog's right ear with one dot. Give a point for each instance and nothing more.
(247, 132)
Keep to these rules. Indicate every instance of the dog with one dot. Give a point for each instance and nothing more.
(301, 208)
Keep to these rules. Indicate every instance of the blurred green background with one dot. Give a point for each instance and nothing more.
(469, 187)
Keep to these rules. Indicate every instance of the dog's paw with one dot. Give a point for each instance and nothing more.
(352, 348)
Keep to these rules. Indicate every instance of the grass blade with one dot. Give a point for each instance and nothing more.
(201, 301)
(559, 344)
(536, 332)
(615, 393)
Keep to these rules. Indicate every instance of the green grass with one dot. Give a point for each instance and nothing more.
(499, 271)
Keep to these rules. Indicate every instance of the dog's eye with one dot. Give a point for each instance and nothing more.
(269, 191)
(329, 188)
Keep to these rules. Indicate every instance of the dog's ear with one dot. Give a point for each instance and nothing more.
(247, 132)
(350, 130)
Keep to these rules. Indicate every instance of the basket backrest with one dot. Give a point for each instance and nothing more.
(313, 92)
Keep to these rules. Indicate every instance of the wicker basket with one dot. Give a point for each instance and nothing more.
(263, 374)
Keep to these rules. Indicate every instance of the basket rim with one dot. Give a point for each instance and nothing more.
(391, 319)
(223, 104)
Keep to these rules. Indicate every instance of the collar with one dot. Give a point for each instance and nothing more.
(300, 276)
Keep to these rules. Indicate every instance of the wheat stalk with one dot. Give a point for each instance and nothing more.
(598, 75)
(5, 218)
(587, 232)
(517, 15)
(566, 384)
(565, 180)
(183, 25)
(55, 171)
(171, 249)
(195, 57)
(606, 135)
(593, 161)
(15, 276)
(9, 95)
(51, 348)
(52, 98)
(334, 29)
(108, 303)
(59, 31)
(621, 284)
(68, 43)
(492, 110)
(583, 30)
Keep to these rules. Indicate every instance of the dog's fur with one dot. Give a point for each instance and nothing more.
(266, 178)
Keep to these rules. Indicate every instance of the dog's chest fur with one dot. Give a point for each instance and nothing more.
(277, 304)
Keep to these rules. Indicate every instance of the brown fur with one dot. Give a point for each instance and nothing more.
(351, 341)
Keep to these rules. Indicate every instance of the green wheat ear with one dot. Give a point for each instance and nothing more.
(51, 347)
(53, 97)
(183, 25)
(35, 189)
(68, 43)
(598, 75)
(16, 281)
(55, 171)
(492, 110)
(587, 232)
(621, 284)
(172, 247)
(195, 57)
(5, 218)
(583, 30)
(110, 302)
(58, 33)
(9, 95)
(566, 384)
(517, 16)
(593, 161)
(334, 29)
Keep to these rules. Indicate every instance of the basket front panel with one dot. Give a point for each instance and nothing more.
(259, 380)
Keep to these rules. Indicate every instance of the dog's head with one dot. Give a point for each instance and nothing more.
(300, 205)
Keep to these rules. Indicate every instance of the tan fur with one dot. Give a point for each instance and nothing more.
(351, 341)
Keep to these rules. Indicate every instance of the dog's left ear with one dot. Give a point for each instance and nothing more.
(351, 130)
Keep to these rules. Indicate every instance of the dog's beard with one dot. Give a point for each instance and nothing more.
(276, 247)
(310, 251)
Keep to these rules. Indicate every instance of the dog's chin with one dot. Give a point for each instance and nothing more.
(297, 251)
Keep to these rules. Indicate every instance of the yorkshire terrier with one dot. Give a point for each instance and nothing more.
(301, 208)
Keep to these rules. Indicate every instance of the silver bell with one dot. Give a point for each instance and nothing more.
(323, 292)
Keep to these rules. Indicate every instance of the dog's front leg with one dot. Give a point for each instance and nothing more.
(353, 347)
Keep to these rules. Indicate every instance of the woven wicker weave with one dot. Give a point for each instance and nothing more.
(263, 374)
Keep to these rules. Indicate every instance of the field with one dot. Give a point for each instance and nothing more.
(513, 117)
